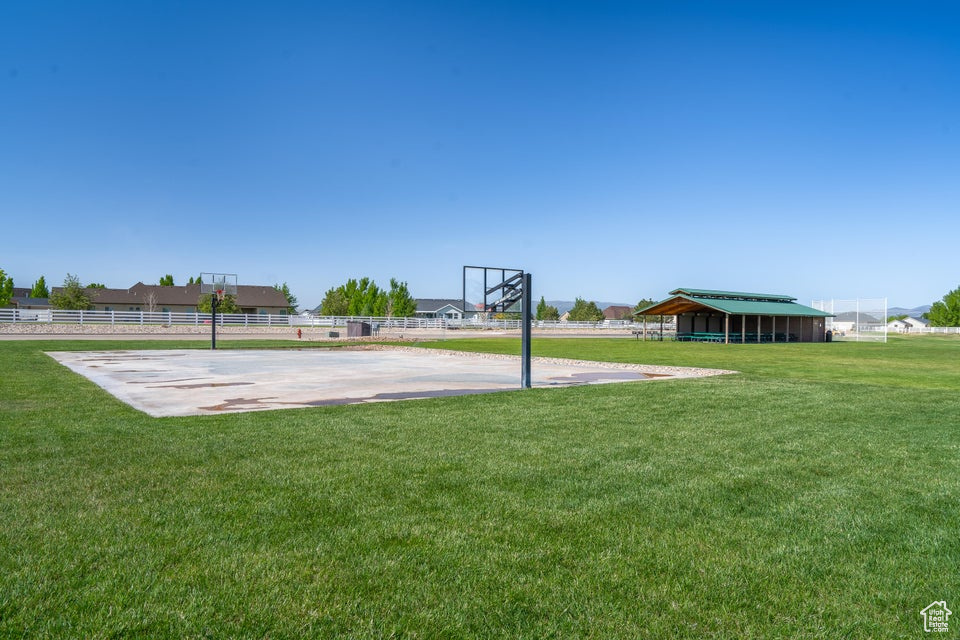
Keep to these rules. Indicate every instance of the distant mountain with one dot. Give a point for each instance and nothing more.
(916, 312)
(565, 305)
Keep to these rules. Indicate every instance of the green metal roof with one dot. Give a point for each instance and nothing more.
(743, 304)
(741, 295)
(759, 307)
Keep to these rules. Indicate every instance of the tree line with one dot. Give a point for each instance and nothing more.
(76, 297)
(584, 311)
(356, 297)
(364, 298)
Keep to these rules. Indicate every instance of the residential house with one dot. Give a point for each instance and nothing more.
(618, 312)
(440, 308)
(21, 300)
(908, 324)
(250, 299)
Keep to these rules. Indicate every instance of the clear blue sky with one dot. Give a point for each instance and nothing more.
(616, 150)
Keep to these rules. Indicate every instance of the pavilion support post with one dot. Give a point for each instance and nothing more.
(661, 327)
(758, 329)
(644, 328)
(743, 329)
(787, 334)
(773, 328)
(726, 328)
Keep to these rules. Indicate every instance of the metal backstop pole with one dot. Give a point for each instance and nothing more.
(525, 331)
(213, 321)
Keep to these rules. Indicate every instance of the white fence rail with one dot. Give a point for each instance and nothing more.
(932, 330)
(146, 318)
(166, 318)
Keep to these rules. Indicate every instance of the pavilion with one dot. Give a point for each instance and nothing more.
(705, 315)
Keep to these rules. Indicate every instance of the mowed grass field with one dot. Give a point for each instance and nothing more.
(814, 495)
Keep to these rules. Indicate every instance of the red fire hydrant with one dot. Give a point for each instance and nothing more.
(299, 334)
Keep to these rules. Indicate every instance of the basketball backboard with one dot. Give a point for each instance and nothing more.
(500, 290)
(214, 282)
(492, 290)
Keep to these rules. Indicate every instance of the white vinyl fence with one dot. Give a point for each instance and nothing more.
(166, 318)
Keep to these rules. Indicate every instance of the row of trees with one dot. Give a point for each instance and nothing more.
(74, 296)
(583, 311)
(39, 289)
(364, 298)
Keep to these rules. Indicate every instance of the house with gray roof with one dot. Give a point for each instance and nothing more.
(908, 324)
(250, 299)
(448, 308)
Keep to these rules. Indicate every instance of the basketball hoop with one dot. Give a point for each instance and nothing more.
(495, 290)
(217, 286)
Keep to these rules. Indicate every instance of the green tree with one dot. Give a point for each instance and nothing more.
(369, 299)
(71, 296)
(646, 302)
(400, 304)
(364, 298)
(291, 299)
(228, 305)
(96, 285)
(335, 302)
(40, 289)
(546, 311)
(6, 289)
(946, 312)
(896, 317)
(166, 281)
(584, 311)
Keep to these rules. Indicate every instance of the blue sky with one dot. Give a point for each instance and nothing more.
(617, 150)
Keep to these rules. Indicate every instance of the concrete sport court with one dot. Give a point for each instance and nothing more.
(186, 382)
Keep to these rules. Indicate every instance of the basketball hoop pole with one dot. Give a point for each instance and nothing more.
(213, 321)
(525, 323)
(217, 286)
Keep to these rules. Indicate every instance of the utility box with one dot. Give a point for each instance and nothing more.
(358, 329)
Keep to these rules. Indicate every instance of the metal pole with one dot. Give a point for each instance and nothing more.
(213, 321)
(525, 332)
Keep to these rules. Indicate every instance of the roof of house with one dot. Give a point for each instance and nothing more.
(183, 295)
(432, 305)
(28, 301)
(733, 295)
(854, 316)
(617, 311)
(732, 302)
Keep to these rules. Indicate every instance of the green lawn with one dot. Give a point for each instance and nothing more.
(815, 495)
